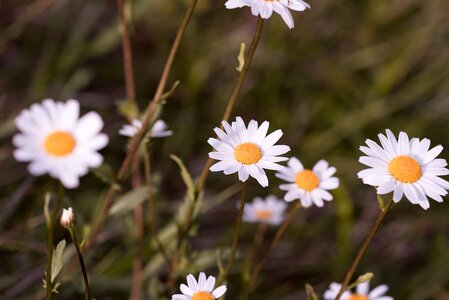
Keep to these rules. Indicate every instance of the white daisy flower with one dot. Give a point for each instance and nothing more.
(362, 292)
(200, 290)
(269, 211)
(159, 129)
(405, 166)
(309, 186)
(58, 142)
(265, 8)
(247, 151)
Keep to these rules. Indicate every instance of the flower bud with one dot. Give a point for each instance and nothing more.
(68, 217)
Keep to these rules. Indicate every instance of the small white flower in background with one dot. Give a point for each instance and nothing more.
(309, 186)
(362, 292)
(265, 8)
(405, 167)
(247, 151)
(55, 140)
(159, 129)
(68, 217)
(269, 210)
(203, 289)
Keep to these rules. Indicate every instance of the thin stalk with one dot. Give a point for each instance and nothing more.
(231, 102)
(139, 226)
(273, 244)
(235, 92)
(137, 139)
(81, 261)
(151, 206)
(236, 237)
(127, 53)
(363, 248)
(51, 241)
(257, 242)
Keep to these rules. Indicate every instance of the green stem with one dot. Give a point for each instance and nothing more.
(231, 102)
(235, 239)
(273, 244)
(51, 229)
(235, 92)
(363, 248)
(81, 261)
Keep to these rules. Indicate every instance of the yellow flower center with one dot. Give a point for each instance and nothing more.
(247, 153)
(307, 180)
(405, 169)
(202, 296)
(358, 297)
(263, 214)
(59, 143)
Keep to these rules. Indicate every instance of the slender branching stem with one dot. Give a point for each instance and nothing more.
(236, 237)
(235, 92)
(363, 248)
(127, 53)
(273, 244)
(152, 206)
(81, 261)
(51, 241)
(137, 139)
(231, 102)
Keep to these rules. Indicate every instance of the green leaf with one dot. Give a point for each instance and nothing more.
(311, 293)
(381, 202)
(47, 208)
(186, 177)
(361, 279)
(57, 262)
(129, 201)
(241, 57)
(107, 175)
(128, 109)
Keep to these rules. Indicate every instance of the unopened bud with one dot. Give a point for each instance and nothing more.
(68, 217)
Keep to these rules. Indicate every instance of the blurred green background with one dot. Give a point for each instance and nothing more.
(348, 70)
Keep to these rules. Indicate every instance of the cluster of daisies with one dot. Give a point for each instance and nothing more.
(57, 141)
(250, 150)
(204, 289)
(403, 166)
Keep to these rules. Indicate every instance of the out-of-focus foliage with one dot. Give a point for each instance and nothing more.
(347, 71)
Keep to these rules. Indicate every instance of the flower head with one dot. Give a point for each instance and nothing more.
(159, 129)
(68, 217)
(405, 166)
(265, 8)
(362, 292)
(269, 210)
(55, 140)
(309, 186)
(200, 290)
(247, 151)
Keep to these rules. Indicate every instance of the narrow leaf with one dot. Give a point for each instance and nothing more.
(186, 177)
(47, 208)
(311, 295)
(107, 175)
(57, 262)
(129, 201)
(241, 57)
(381, 202)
